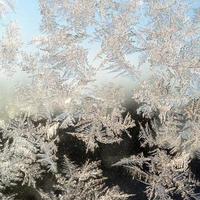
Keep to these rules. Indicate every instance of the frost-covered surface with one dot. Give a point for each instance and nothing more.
(65, 138)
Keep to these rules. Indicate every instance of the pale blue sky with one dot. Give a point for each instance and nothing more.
(27, 15)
